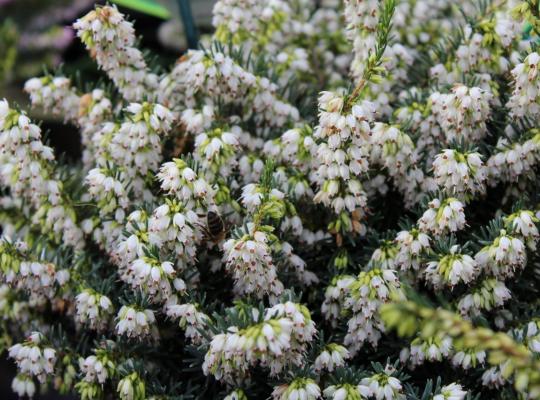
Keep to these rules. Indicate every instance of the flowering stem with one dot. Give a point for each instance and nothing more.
(373, 71)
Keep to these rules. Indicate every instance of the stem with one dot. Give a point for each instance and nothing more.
(374, 60)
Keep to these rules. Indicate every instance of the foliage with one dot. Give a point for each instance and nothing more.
(261, 218)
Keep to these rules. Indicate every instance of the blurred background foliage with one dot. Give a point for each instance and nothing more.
(36, 35)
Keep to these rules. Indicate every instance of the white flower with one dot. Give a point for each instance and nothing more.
(249, 260)
(334, 297)
(93, 309)
(458, 173)
(370, 290)
(341, 154)
(463, 113)
(452, 391)
(331, 357)
(300, 388)
(33, 358)
(434, 348)
(178, 179)
(23, 385)
(135, 323)
(489, 294)
(190, 318)
(523, 223)
(493, 377)
(442, 217)
(280, 340)
(411, 245)
(251, 196)
(26, 171)
(503, 256)
(525, 99)
(451, 269)
(469, 358)
(152, 276)
(131, 387)
(55, 94)
(347, 391)
(96, 368)
(384, 386)
(111, 39)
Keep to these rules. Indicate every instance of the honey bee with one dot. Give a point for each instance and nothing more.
(215, 229)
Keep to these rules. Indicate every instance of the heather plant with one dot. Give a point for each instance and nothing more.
(327, 199)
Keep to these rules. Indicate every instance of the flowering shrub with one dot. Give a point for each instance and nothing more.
(328, 200)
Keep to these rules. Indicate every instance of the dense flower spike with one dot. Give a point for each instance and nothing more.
(463, 113)
(88, 110)
(411, 246)
(299, 388)
(442, 217)
(178, 179)
(96, 368)
(191, 319)
(249, 259)
(27, 170)
(111, 39)
(369, 291)
(342, 157)
(525, 100)
(33, 358)
(136, 145)
(334, 297)
(243, 222)
(93, 309)
(459, 174)
(332, 357)
(55, 94)
(131, 387)
(384, 385)
(431, 349)
(502, 257)
(347, 391)
(135, 322)
(217, 75)
(451, 269)
(488, 295)
(276, 342)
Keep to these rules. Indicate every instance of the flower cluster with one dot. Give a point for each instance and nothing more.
(111, 39)
(279, 340)
(33, 358)
(459, 174)
(367, 293)
(332, 357)
(190, 318)
(525, 97)
(443, 217)
(249, 259)
(243, 223)
(135, 322)
(342, 156)
(93, 309)
(299, 388)
(27, 171)
(463, 113)
(451, 269)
